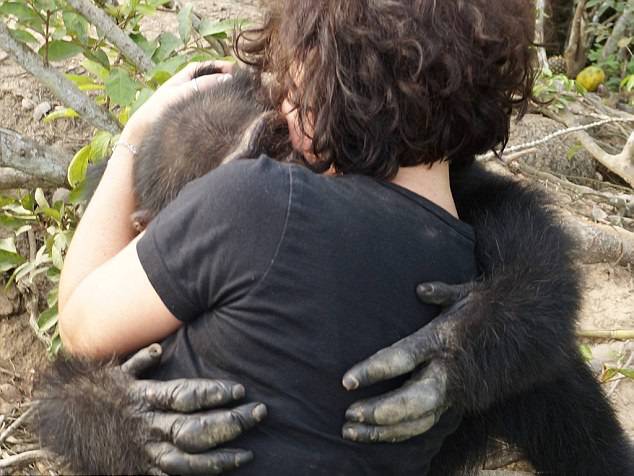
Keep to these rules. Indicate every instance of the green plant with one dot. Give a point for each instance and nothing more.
(59, 33)
(556, 91)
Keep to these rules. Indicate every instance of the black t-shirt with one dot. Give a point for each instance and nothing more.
(285, 279)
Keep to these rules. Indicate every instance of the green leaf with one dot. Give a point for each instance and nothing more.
(64, 113)
(59, 50)
(78, 166)
(96, 69)
(23, 36)
(100, 58)
(21, 11)
(185, 23)
(121, 87)
(222, 28)
(100, 146)
(608, 374)
(629, 373)
(76, 25)
(40, 199)
(9, 260)
(148, 47)
(143, 96)
(168, 43)
(47, 319)
(586, 352)
(8, 244)
(56, 346)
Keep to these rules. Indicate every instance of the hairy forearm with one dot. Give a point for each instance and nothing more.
(105, 227)
(520, 330)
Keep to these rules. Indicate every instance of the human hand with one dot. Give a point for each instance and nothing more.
(184, 438)
(415, 407)
(194, 78)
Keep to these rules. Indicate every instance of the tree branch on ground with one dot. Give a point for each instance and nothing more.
(621, 164)
(600, 243)
(106, 26)
(619, 31)
(43, 164)
(63, 88)
(10, 179)
(615, 334)
(27, 457)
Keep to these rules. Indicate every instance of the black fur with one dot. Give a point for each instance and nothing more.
(518, 374)
(520, 377)
(82, 415)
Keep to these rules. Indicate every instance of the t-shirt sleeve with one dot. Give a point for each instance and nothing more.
(218, 238)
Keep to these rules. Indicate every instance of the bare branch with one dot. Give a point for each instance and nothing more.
(16, 424)
(600, 243)
(25, 458)
(45, 163)
(63, 88)
(616, 334)
(106, 25)
(619, 31)
(11, 179)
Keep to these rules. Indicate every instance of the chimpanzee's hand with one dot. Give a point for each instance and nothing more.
(415, 407)
(184, 440)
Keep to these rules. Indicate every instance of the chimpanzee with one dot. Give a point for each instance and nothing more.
(502, 352)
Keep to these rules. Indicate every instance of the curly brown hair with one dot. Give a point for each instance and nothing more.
(390, 83)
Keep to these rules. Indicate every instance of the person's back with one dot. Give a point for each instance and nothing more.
(298, 276)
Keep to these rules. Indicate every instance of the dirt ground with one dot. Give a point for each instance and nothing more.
(608, 292)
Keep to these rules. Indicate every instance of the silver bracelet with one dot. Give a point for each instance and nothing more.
(130, 147)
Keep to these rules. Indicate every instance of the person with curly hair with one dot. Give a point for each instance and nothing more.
(283, 276)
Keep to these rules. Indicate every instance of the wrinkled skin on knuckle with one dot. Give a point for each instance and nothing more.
(390, 362)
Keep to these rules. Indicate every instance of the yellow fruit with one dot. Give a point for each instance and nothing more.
(591, 78)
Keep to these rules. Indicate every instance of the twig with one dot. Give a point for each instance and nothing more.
(43, 163)
(621, 164)
(14, 426)
(10, 374)
(106, 25)
(503, 472)
(622, 202)
(62, 87)
(616, 334)
(554, 135)
(25, 458)
(615, 385)
(11, 179)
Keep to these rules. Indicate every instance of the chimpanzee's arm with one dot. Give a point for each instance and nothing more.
(507, 332)
(101, 420)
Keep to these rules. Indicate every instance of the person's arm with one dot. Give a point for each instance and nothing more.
(107, 305)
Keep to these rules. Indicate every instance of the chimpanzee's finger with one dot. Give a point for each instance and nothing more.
(156, 472)
(422, 394)
(171, 460)
(442, 294)
(398, 359)
(388, 434)
(186, 395)
(188, 72)
(203, 431)
(143, 360)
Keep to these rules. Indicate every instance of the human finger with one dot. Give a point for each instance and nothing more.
(441, 294)
(388, 434)
(143, 360)
(186, 395)
(171, 460)
(408, 403)
(202, 431)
